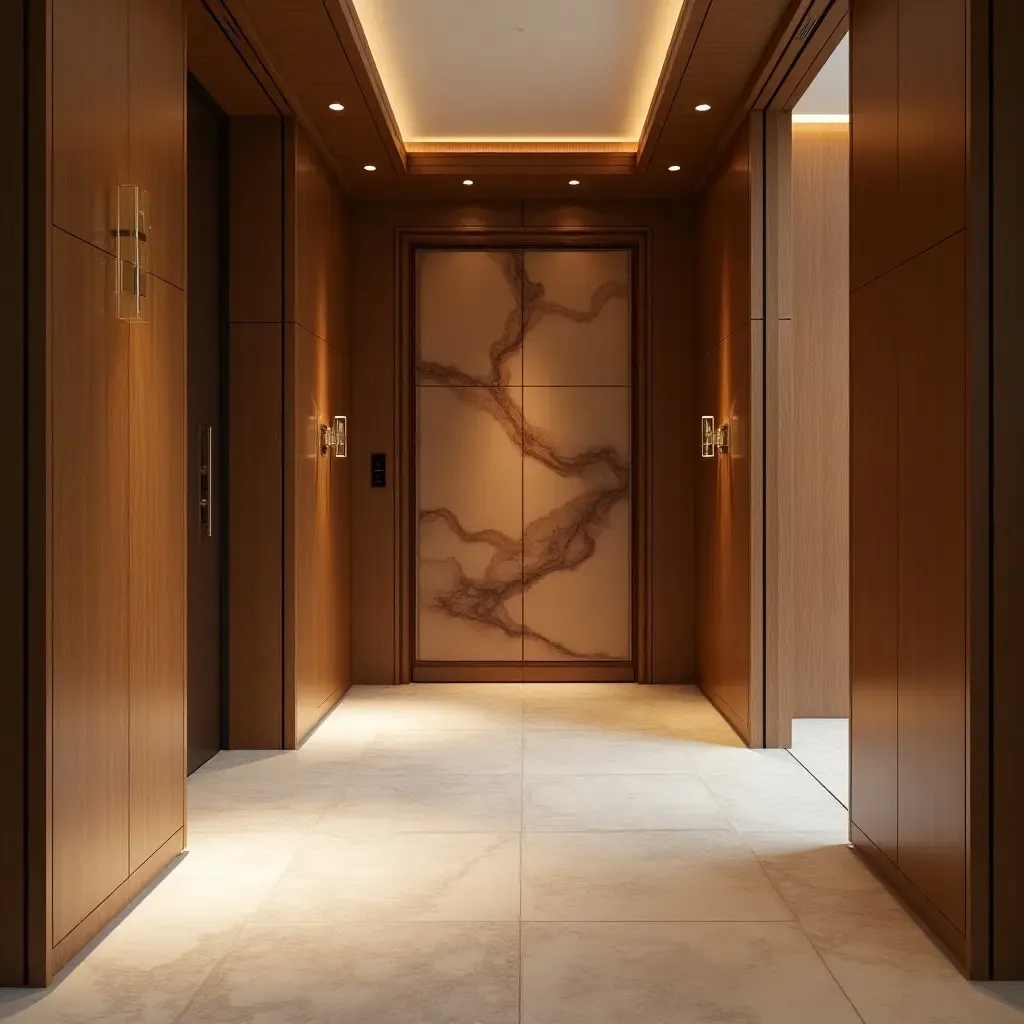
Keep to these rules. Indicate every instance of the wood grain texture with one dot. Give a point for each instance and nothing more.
(90, 117)
(156, 60)
(812, 660)
(874, 139)
(157, 583)
(874, 557)
(255, 524)
(13, 809)
(90, 523)
(256, 190)
(932, 135)
(932, 616)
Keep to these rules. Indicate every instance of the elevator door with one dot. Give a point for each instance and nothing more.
(523, 456)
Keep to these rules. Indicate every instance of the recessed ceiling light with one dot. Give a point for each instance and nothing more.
(703, 107)
(369, 167)
(468, 181)
(574, 182)
(674, 167)
(336, 106)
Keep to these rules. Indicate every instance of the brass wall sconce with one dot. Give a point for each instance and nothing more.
(336, 437)
(132, 260)
(713, 442)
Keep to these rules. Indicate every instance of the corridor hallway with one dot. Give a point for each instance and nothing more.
(463, 854)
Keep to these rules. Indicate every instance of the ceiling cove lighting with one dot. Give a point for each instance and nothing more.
(336, 106)
(821, 119)
(369, 167)
(702, 108)
(468, 181)
(674, 167)
(574, 181)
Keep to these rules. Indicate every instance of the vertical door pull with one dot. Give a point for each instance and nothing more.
(206, 480)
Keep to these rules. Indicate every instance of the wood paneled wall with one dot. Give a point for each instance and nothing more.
(730, 345)
(13, 767)
(318, 486)
(377, 575)
(808, 495)
(909, 429)
(102, 736)
(289, 530)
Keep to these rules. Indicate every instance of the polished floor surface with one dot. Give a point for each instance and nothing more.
(822, 746)
(505, 854)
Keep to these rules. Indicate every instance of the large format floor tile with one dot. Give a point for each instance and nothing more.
(369, 974)
(455, 752)
(667, 973)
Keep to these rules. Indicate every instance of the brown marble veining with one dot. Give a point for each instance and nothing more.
(580, 483)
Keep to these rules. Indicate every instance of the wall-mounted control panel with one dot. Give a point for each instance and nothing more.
(378, 470)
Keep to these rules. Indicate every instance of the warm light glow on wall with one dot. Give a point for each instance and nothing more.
(821, 119)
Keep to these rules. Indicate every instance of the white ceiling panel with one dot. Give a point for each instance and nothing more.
(518, 70)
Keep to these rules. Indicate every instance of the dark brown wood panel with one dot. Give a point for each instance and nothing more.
(1007, 494)
(255, 527)
(874, 139)
(90, 524)
(256, 190)
(157, 576)
(932, 122)
(90, 116)
(874, 549)
(13, 867)
(157, 127)
(932, 614)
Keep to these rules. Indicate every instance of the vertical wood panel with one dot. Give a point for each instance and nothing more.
(157, 575)
(255, 528)
(90, 116)
(812, 666)
(874, 139)
(13, 866)
(932, 122)
(90, 584)
(932, 576)
(874, 551)
(157, 120)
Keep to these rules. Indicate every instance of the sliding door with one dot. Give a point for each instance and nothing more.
(524, 413)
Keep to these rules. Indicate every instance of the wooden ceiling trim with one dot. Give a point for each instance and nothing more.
(527, 162)
(475, 148)
(833, 27)
(684, 41)
(357, 52)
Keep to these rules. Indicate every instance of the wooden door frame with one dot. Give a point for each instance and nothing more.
(638, 242)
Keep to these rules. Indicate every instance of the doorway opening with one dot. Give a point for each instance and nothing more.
(808, 380)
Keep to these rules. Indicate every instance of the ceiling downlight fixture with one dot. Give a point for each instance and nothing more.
(336, 106)
(674, 167)
(468, 181)
(574, 181)
(369, 167)
(702, 108)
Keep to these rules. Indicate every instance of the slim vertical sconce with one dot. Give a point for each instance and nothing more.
(132, 261)
(722, 439)
(336, 437)
(707, 437)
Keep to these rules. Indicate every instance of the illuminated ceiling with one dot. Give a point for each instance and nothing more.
(473, 71)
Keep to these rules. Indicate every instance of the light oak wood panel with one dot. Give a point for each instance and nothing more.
(874, 557)
(156, 57)
(932, 617)
(812, 589)
(255, 523)
(90, 116)
(874, 142)
(157, 573)
(13, 866)
(932, 122)
(90, 525)
(256, 191)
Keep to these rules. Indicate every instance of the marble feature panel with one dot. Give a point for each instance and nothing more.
(561, 543)
(469, 490)
(578, 330)
(468, 313)
(577, 543)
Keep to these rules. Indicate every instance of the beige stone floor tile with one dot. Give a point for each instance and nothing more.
(370, 974)
(555, 752)
(426, 803)
(645, 876)
(454, 752)
(782, 802)
(568, 803)
(710, 973)
(470, 876)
